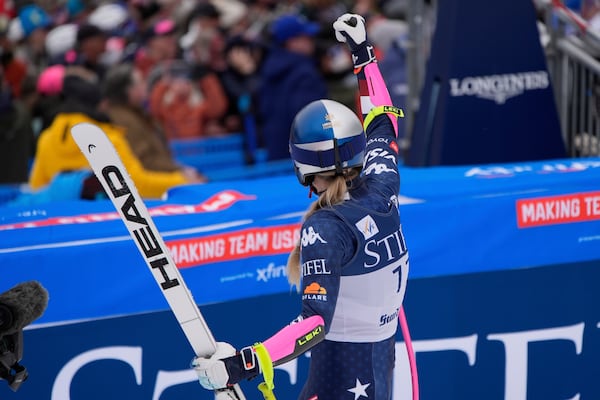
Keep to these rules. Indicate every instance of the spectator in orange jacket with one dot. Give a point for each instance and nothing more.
(186, 100)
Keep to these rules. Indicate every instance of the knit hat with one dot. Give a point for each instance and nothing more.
(163, 27)
(205, 10)
(289, 26)
(87, 31)
(50, 81)
(33, 17)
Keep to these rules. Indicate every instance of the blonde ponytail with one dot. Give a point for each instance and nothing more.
(335, 194)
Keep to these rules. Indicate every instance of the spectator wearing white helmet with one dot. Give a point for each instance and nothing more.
(59, 41)
(109, 17)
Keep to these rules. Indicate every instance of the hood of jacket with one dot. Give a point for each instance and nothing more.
(281, 62)
(58, 135)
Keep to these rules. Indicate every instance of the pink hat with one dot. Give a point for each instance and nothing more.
(50, 81)
(164, 27)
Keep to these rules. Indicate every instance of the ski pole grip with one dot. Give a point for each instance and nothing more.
(266, 391)
(266, 367)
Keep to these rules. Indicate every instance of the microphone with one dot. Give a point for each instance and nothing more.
(21, 305)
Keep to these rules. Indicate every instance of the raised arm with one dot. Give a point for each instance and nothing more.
(374, 96)
(381, 154)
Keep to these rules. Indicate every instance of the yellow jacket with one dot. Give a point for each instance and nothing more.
(57, 152)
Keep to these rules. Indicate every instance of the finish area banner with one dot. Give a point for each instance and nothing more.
(231, 239)
(501, 300)
(506, 335)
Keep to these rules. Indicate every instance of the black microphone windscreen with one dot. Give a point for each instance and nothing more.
(21, 305)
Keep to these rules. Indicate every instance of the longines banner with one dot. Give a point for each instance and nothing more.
(487, 95)
(502, 296)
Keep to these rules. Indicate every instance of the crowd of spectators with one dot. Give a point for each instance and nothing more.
(153, 71)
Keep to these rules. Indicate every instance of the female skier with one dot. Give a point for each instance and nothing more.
(351, 263)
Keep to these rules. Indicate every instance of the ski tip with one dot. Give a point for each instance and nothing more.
(83, 128)
(87, 136)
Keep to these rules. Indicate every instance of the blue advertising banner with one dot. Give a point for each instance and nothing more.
(231, 239)
(501, 299)
(530, 333)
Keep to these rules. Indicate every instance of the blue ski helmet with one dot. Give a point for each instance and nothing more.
(326, 136)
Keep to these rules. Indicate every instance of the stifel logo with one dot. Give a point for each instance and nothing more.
(315, 288)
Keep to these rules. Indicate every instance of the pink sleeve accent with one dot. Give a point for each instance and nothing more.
(283, 343)
(378, 91)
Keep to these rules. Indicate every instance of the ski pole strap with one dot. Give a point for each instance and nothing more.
(266, 367)
(375, 111)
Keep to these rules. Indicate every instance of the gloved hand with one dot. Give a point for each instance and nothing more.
(226, 367)
(350, 29)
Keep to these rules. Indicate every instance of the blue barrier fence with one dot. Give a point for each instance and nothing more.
(504, 260)
(214, 153)
(224, 158)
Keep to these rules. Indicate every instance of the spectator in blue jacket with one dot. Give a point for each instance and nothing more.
(290, 79)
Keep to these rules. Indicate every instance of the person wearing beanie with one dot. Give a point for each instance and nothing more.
(30, 28)
(48, 94)
(290, 79)
(159, 46)
(90, 44)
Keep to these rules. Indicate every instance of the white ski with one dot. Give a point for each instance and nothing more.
(108, 167)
